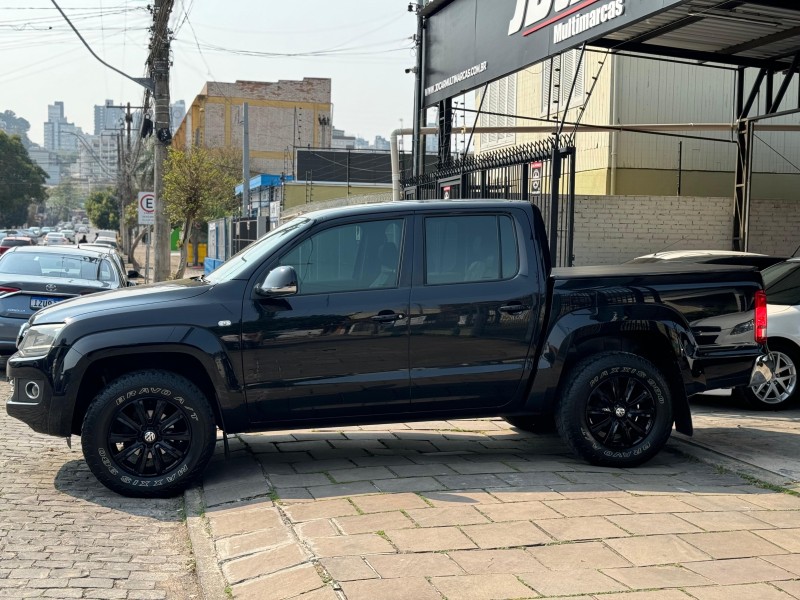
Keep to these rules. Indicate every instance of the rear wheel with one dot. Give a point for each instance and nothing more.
(615, 410)
(783, 390)
(148, 434)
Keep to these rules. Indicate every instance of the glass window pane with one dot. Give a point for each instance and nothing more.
(461, 249)
(349, 257)
(508, 248)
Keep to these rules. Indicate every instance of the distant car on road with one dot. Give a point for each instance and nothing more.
(107, 241)
(13, 241)
(55, 238)
(69, 234)
(710, 257)
(114, 255)
(32, 278)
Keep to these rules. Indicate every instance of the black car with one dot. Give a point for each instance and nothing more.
(33, 277)
(383, 313)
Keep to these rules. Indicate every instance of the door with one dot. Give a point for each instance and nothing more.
(339, 347)
(472, 303)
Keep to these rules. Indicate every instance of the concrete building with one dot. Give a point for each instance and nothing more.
(48, 161)
(108, 117)
(59, 134)
(342, 141)
(177, 110)
(97, 158)
(631, 91)
(283, 116)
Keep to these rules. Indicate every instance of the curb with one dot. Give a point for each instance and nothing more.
(209, 574)
(712, 457)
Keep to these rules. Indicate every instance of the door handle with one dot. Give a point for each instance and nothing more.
(387, 317)
(514, 308)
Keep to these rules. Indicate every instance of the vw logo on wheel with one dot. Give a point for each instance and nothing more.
(51, 287)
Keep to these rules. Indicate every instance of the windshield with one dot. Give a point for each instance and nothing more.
(61, 266)
(257, 251)
(782, 283)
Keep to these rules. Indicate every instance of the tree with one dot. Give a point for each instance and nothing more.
(102, 206)
(15, 125)
(61, 201)
(21, 181)
(199, 185)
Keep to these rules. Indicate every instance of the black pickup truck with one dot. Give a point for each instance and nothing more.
(384, 313)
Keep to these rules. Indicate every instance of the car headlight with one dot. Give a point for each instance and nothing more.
(37, 340)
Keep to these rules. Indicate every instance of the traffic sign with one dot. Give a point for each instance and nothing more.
(536, 177)
(147, 208)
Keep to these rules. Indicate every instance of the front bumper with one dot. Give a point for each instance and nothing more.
(32, 400)
(763, 370)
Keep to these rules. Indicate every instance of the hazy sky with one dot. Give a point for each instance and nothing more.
(362, 45)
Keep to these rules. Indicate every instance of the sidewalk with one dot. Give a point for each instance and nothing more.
(477, 510)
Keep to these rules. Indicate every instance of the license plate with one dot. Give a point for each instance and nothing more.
(38, 302)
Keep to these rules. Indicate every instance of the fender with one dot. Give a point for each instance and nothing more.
(196, 342)
(613, 324)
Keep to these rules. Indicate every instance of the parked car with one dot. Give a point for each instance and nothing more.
(115, 256)
(69, 234)
(710, 257)
(13, 241)
(55, 238)
(782, 284)
(107, 241)
(33, 278)
(379, 313)
(82, 229)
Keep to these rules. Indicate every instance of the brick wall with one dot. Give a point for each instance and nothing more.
(613, 229)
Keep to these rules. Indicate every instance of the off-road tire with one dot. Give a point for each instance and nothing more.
(148, 434)
(598, 390)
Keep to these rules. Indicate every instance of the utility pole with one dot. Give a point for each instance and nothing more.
(245, 162)
(159, 69)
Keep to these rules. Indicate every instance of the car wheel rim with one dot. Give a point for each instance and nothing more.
(620, 412)
(780, 387)
(149, 437)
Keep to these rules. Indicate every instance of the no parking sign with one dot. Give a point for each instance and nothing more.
(147, 208)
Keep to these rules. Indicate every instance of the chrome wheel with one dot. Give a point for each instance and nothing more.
(782, 386)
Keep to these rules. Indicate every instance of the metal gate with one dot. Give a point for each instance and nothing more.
(542, 173)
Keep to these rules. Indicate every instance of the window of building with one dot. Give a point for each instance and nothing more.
(470, 249)
(557, 75)
(501, 99)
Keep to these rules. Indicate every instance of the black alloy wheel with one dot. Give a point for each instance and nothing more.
(620, 412)
(149, 436)
(615, 409)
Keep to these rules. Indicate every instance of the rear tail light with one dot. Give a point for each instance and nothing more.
(760, 329)
(8, 290)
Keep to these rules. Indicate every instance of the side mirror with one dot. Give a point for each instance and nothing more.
(134, 275)
(281, 281)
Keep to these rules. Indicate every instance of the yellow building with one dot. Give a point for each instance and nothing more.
(283, 116)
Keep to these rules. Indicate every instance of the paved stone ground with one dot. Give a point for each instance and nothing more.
(63, 535)
(456, 510)
(475, 510)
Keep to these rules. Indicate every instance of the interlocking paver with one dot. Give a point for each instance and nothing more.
(518, 511)
(425, 564)
(482, 587)
(580, 528)
(580, 555)
(732, 544)
(653, 524)
(571, 582)
(391, 589)
(762, 591)
(788, 539)
(477, 562)
(350, 545)
(739, 570)
(656, 550)
(388, 502)
(643, 578)
(429, 539)
(724, 521)
(348, 568)
(373, 522)
(451, 515)
(502, 535)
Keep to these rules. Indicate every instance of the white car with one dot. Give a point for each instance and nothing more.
(782, 284)
(54, 238)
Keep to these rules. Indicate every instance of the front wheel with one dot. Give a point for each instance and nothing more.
(782, 390)
(615, 410)
(148, 434)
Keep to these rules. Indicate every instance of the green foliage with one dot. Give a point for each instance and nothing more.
(103, 209)
(61, 201)
(199, 184)
(21, 181)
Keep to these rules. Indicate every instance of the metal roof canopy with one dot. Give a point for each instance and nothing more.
(464, 45)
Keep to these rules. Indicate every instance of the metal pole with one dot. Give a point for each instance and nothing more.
(245, 161)
(555, 188)
(417, 151)
(680, 166)
(148, 235)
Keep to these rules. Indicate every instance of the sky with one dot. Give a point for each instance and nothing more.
(363, 46)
